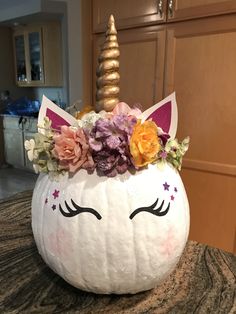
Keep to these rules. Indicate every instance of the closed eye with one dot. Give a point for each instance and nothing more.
(78, 210)
(151, 209)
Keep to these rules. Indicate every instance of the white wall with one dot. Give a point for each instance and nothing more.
(17, 8)
(74, 52)
(72, 57)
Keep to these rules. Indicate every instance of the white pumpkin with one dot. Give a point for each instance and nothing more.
(120, 243)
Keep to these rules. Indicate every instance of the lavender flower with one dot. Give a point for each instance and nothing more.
(109, 141)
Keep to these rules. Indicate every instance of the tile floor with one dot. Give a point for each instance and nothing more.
(14, 180)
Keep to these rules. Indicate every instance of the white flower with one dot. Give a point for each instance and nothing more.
(36, 168)
(51, 165)
(184, 145)
(30, 147)
(89, 119)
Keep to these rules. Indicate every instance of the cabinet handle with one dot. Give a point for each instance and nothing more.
(170, 7)
(160, 8)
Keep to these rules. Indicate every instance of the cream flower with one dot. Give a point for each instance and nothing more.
(89, 119)
(30, 147)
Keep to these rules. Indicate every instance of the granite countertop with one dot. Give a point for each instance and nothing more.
(203, 282)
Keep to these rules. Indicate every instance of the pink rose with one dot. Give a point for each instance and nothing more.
(123, 108)
(72, 149)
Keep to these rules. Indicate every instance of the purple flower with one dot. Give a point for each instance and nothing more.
(163, 154)
(109, 142)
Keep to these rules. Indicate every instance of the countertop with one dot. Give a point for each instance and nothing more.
(203, 282)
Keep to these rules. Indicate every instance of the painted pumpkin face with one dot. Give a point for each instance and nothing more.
(112, 235)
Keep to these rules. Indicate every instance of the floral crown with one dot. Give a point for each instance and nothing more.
(109, 143)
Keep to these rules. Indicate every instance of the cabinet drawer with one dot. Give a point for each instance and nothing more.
(11, 122)
(31, 125)
(127, 14)
(20, 123)
(182, 9)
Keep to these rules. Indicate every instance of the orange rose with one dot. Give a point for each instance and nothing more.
(144, 143)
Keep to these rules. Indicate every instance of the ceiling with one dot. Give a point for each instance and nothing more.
(15, 12)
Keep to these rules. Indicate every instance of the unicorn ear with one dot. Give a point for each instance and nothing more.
(164, 114)
(57, 115)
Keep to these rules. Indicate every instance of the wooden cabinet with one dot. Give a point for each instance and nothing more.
(137, 13)
(201, 68)
(182, 9)
(127, 14)
(37, 50)
(14, 153)
(196, 58)
(142, 54)
(15, 131)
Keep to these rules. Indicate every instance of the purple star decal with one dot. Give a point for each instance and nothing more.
(175, 189)
(55, 194)
(46, 200)
(54, 207)
(166, 186)
(172, 197)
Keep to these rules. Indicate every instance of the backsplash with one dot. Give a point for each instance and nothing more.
(57, 95)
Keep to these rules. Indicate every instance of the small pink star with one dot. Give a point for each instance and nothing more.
(54, 207)
(175, 189)
(172, 197)
(55, 194)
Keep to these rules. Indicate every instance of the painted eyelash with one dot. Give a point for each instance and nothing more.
(79, 210)
(151, 209)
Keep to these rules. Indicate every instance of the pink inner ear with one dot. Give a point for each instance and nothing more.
(57, 121)
(162, 117)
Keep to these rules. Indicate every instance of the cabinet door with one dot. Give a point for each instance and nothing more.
(14, 150)
(141, 65)
(1, 142)
(182, 9)
(127, 13)
(35, 61)
(20, 59)
(201, 68)
(28, 56)
(38, 57)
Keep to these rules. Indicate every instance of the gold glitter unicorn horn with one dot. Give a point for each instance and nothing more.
(107, 72)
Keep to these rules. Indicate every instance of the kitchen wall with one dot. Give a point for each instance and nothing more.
(60, 95)
(7, 74)
(77, 31)
(57, 95)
